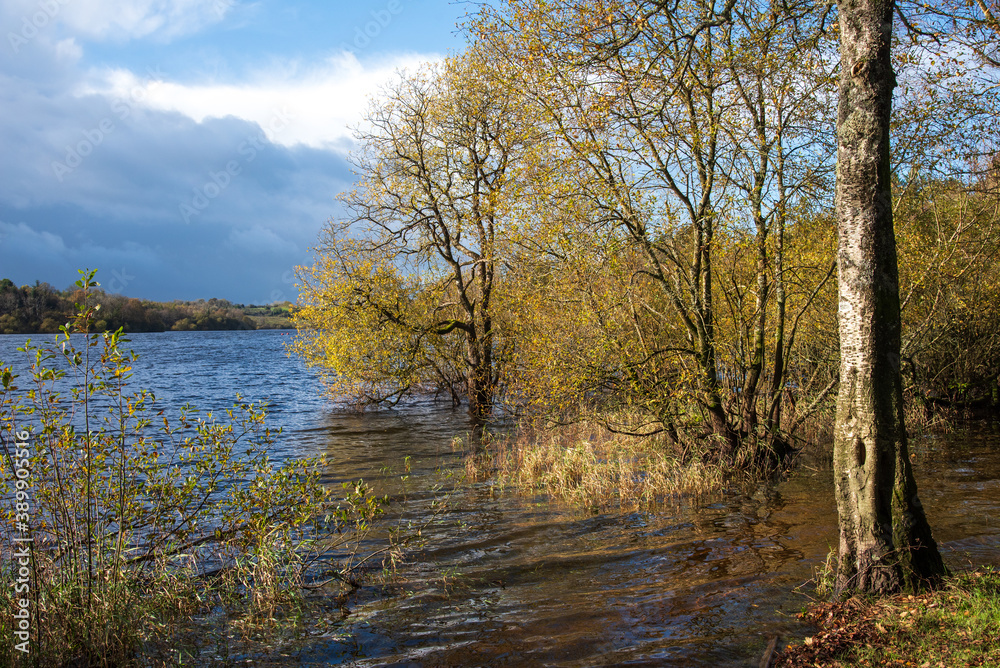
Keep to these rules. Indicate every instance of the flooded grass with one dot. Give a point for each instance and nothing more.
(957, 625)
(221, 634)
(585, 465)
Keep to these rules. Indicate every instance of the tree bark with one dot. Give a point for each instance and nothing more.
(756, 366)
(479, 380)
(885, 540)
(774, 395)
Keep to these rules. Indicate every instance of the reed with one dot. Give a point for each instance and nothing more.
(586, 465)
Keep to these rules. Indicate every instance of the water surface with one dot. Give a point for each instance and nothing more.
(515, 580)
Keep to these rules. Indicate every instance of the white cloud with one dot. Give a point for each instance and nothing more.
(316, 106)
(68, 50)
(121, 20)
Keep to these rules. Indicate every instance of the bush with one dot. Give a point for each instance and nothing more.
(114, 518)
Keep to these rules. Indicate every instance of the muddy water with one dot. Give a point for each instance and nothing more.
(509, 580)
(516, 581)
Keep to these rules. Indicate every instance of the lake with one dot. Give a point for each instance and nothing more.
(514, 580)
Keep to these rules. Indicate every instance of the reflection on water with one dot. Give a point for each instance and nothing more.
(536, 585)
(506, 580)
(516, 581)
(959, 482)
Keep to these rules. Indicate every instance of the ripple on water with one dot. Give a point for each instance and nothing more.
(514, 581)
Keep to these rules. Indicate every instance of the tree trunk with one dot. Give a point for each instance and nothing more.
(774, 395)
(701, 273)
(479, 380)
(885, 541)
(756, 366)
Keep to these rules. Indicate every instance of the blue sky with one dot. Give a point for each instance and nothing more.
(189, 148)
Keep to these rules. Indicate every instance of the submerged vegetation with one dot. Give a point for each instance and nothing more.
(583, 464)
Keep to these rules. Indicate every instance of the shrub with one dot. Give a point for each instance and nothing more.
(113, 517)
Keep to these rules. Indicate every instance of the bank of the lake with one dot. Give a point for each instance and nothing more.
(40, 308)
(955, 624)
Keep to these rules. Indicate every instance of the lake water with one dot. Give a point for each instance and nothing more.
(513, 580)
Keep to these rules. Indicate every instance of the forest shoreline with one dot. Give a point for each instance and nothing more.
(41, 309)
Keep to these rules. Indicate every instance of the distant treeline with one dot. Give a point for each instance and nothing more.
(38, 308)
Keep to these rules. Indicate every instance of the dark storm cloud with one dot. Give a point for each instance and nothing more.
(185, 209)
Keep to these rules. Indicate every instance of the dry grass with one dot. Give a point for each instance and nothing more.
(922, 420)
(584, 464)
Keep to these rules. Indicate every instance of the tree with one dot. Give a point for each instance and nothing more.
(885, 540)
(781, 160)
(948, 237)
(945, 205)
(687, 127)
(402, 297)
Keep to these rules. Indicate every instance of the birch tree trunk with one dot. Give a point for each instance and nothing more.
(885, 541)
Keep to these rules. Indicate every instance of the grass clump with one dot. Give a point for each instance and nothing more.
(955, 625)
(585, 464)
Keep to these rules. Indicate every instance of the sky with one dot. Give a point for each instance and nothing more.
(189, 149)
